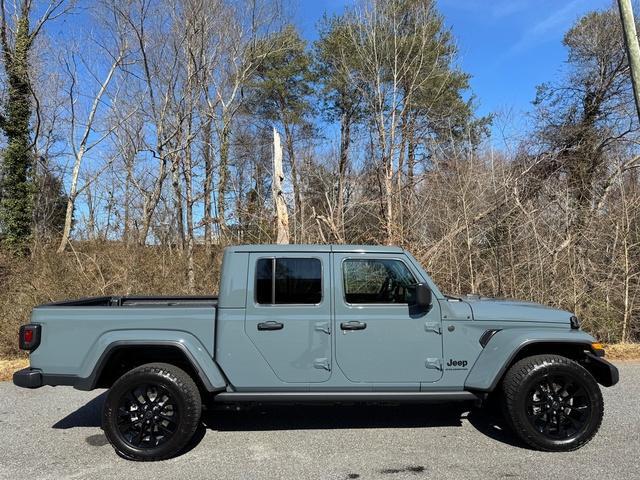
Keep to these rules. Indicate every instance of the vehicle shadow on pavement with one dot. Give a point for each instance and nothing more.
(268, 417)
(305, 417)
(302, 417)
(494, 426)
(89, 415)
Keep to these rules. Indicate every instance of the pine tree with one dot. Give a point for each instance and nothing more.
(335, 60)
(280, 92)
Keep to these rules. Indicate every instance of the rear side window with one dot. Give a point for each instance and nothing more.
(288, 281)
(377, 281)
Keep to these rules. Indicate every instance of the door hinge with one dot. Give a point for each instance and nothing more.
(322, 363)
(433, 364)
(434, 327)
(323, 327)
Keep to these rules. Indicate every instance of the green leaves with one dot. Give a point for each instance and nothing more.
(335, 64)
(281, 87)
(16, 203)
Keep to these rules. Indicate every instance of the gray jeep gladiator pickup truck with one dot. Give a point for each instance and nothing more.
(328, 323)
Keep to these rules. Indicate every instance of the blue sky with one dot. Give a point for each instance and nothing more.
(508, 46)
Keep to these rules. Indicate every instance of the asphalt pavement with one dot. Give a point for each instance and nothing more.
(54, 433)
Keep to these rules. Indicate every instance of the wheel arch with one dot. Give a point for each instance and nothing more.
(509, 346)
(121, 356)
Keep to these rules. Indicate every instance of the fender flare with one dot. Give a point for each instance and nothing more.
(503, 347)
(205, 367)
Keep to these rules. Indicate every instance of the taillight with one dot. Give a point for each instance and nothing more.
(29, 337)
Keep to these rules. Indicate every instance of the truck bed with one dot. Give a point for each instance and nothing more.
(138, 301)
(75, 333)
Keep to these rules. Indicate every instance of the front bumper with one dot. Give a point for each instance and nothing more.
(604, 372)
(28, 378)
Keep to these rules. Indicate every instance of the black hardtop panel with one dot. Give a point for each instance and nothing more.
(305, 248)
(138, 301)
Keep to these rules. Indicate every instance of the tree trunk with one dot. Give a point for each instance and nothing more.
(345, 143)
(399, 200)
(388, 197)
(16, 202)
(70, 203)
(151, 202)
(297, 195)
(626, 294)
(208, 183)
(83, 147)
(282, 216)
(404, 127)
(126, 234)
(188, 180)
(411, 153)
(177, 201)
(91, 210)
(633, 49)
(223, 175)
(107, 226)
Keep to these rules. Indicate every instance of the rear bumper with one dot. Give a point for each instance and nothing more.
(604, 372)
(34, 378)
(28, 378)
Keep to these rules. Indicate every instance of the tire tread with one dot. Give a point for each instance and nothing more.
(190, 417)
(514, 378)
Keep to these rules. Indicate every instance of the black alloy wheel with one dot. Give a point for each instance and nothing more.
(148, 416)
(552, 402)
(558, 406)
(152, 412)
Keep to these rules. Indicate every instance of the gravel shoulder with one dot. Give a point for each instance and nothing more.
(55, 433)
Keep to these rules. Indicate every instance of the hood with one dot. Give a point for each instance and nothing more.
(492, 309)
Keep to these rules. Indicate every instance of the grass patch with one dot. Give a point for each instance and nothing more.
(623, 351)
(8, 366)
(94, 269)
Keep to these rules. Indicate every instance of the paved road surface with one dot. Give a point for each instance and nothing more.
(54, 433)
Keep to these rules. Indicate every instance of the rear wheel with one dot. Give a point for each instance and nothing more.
(152, 412)
(552, 402)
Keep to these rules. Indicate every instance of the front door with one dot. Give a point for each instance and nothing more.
(288, 315)
(378, 339)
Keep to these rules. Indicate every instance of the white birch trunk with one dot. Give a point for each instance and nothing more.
(82, 149)
(282, 215)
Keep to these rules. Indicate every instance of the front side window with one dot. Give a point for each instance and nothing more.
(288, 281)
(377, 281)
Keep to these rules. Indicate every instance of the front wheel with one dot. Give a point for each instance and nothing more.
(552, 402)
(151, 412)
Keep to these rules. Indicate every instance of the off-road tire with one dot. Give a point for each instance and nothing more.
(175, 384)
(523, 387)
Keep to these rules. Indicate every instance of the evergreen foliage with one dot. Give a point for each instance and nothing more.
(16, 202)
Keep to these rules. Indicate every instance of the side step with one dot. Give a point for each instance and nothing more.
(416, 397)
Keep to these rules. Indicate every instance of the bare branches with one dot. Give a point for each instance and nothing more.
(84, 145)
(155, 126)
(54, 10)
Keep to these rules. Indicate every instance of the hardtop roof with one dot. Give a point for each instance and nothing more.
(305, 248)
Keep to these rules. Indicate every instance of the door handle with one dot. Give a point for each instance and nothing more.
(353, 325)
(270, 325)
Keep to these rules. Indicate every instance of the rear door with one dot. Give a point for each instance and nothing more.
(378, 338)
(288, 315)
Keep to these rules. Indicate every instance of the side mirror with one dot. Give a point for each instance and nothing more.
(421, 297)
